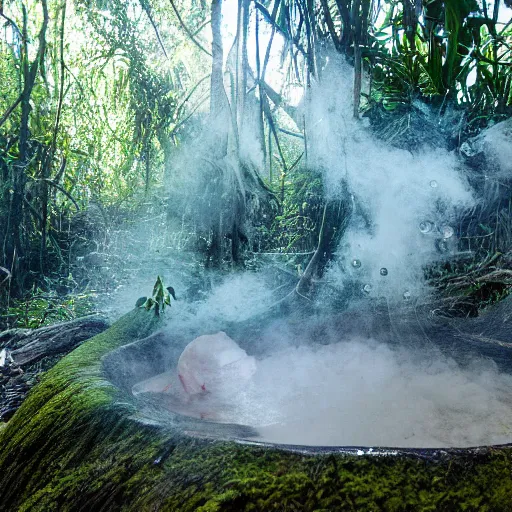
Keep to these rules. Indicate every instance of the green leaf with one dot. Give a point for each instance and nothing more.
(160, 298)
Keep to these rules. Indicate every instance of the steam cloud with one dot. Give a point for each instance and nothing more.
(360, 391)
(350, 391)
(405, 204)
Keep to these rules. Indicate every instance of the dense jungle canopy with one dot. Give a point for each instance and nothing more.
(99, 98)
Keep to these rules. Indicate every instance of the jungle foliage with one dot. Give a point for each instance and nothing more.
(98, 95)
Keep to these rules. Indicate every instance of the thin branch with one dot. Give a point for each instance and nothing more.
(271, 123)
(204, 24)
(11, 22)
(147, 9)
(61, 86)
(293, 134)
(62, 168)
(270, 18)
(345, 18)
(267, 53)
(61, 189)
(184, 120)
(189, 95)
(330, 25)
(187, 30)
(261, 115)
(11, 109)
(480, 58)
(34, 212)
(7, 273)
(277, 99)
(305, 281)
(299, 158)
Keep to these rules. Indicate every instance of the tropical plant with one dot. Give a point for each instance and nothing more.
(161, 297)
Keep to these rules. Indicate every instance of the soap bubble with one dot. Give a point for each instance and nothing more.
(441, 245)
(447, 231)
(433, 184)
(426, 226)
(356, 263)
(367, 288)
(383, 271)
(407, 295)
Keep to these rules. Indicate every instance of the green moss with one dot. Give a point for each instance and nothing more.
(71, 446)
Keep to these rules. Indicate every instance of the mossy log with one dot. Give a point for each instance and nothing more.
(75, 445)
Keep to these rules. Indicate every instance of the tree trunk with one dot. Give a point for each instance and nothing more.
(47, 162)
(15, 245)
(219, 114)
(335, 219)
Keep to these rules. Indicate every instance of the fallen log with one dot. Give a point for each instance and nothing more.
(27, 353)
(26, 346)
